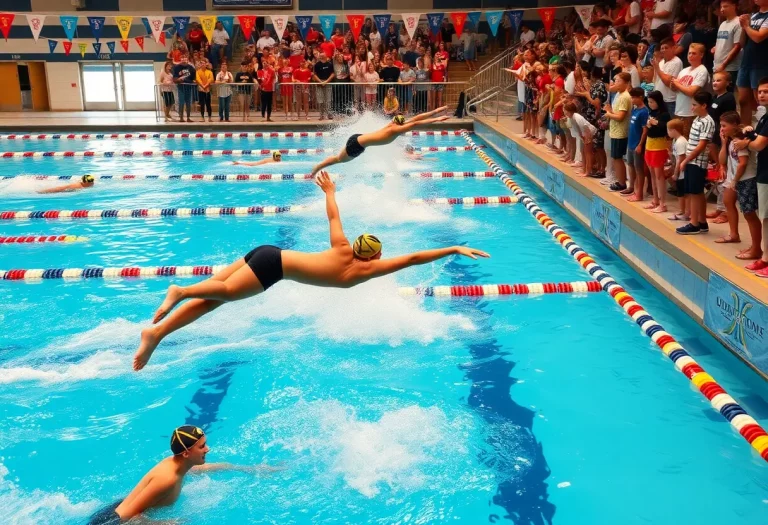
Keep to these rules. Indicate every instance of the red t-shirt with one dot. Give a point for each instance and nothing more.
(329, 49)
(312, 35)
(621, 16)
(442, 54)
(438, 72)
(558, 114)
(398, 64)
(295, 61)
(286, 74)
(543, 81)
(302, 75)
(338, 41)
(348, 57)
(267, 79)
(195, 36)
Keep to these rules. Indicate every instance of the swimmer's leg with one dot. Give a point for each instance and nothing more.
(333, 159)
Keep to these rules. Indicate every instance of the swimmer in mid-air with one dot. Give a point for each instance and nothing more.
(343, 265)
(86, 181)
(357, 143)
(276, 157)
(161, 486)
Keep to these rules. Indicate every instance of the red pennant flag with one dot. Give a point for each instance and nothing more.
(6, 21)
(458, 19)
(124, 43)
(547, 15)
(67, 47)
(140, 41)
(162, 38)
(247, 23)
(356, 24)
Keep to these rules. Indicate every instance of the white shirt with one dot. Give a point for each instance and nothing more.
(632, 70)
(673, 67)
(297, 47)
(220, 37)
(733, 164)
(679, 148)
(224, 78)
(697, 76)
(664, 5)
(582, 125)
(265, 41)
(527, 36)
(466, 40)
(524, 69)
(601, 43)
(728, 35)
(634, 10)
(570, 83)
(375, 40)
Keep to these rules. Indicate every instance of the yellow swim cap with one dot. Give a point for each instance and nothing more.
(366, 246)
(399, 120)
(87, 178)
(276, 155)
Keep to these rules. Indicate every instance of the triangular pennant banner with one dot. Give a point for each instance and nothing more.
(52, 45)
(124, 44)
(434, 20)
(229, 24)
(382, 22)
(247, 23)
(547, 15)
(147, 27)
(279, 22)
(585, 13)
(97, 48)
(35, 24)
(208, 23)
(327, 22)
(494, 19)
(458, 18)
(111, 47)
(83, 46)
(140, 40)
(515, 19)
(155, 24)
(67, 47)
(474, 17)
(97, 26)
(162, 38)
(304, 22)
(356, 24)
(181, 23)
(69, 23)
(124, 25)
(411, 21)
(6, 21)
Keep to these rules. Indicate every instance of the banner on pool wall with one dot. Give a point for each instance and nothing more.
(554, 183)
(605, 221)
(738, 319)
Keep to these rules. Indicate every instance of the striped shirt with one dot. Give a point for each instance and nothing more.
(703, 128)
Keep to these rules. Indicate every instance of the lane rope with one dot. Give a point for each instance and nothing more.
(502, 289)
(210, 135)
(734, 413)
(470, 201)
(39, 239)
(193, 153)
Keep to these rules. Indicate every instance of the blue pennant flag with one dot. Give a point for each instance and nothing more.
(494, 19)
(382, 23)
(111, 47)
(304, 22)
(97, 26)
(434, 20)
(97, 48)
(180, 23)
(327, 22)
(52, 44)
(474, 17)
(229, 24)
(147, 27)
(70, 26)
(515, 18)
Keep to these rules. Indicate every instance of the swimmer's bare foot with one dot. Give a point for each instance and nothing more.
(149, 341)
(172, 298)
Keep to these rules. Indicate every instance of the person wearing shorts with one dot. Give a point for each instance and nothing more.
(656, 150)
(754, 60)
(636, 146)
(695, 164)
(618, 113)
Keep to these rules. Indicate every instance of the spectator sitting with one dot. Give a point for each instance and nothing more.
(391, 104)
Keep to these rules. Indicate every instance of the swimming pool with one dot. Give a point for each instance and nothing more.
(385, 409)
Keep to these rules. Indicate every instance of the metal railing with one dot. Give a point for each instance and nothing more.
(492, 75)
(299, 100)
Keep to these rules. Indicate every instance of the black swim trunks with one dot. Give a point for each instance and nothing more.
(106, 516)
(354, 149)
(267, 263)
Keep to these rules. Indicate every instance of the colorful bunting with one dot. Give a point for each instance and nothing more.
(124, 44)
(494, 19)
(181, 23)
(356, 24)
(6, 21)
(247, 23)
(434, 20)
(382, 22)
(326, 23)
(96, 48)
(52, 45)
(97, 26)
(36, 25)
(547, 15)
(585, 13)
(83, 46)
(208, 23)
(111, 47)
(458, 18)
(279, 22)
(162, 38)
(67, 47)
(124, 25)
(515, 19)
(474, 17)
(411, 21)
(69, 23)
(155, 26)
(140, 40)
(304, 22)
(229, 25)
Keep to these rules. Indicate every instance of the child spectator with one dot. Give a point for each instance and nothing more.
(531, 112)
(596, 96)
(656, 150)
(391, 104)
(667, 67)
(635, 145)
(628, 57)
(556, 111)
(285, 75)
(727, 50)
(302, 76)
(695, 162)
(646, 80)
(677, 173)
(722, 102)
(543, 85)
(586, 132)
(618, 114)
(688, 83)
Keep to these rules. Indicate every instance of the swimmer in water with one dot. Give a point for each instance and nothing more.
(161, 486)
(412, 154)
(276, 157)
(343, 265)
(86, 181)
(357, 143)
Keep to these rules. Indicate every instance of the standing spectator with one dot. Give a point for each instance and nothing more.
(302, 76)
(178, 49)
(442, 54)
(337, 39)
(371, 78)
(195, 37)
(184, 77)
(323, 75)
(166, 88)
(265, 41)
(313, 36)
(446, 34)
(357, 74)
(526, 35)
(634, 18)
(421, 89)
(597, 96)
(405, 89)
(727, 50)
(695, 162)
(628, 56)
(224, 78)
(297, 51)
(656, 150)
(439, 76)
(585, 132)
(220, 47)
(204, 80)
(646, 80)
(636, 144)
(467, 41)
(391, 105)
(327, 47)
(341, 88)
(679, 147)
(410, 55)
(663, 13)
(600, 42)
(245, 79)
(683, 39)
(618, 114)
(667, 67)
(375, 38)
(388, 74)
(267, 83)
(754, 59)
(392, 38)
(722, 102)
(688, 83)
(285, 75)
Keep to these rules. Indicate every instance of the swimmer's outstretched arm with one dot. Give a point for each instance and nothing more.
(257, 163)
(332, 209)
(422, 116)
(387, 266)
(63, 189)
(251, 469)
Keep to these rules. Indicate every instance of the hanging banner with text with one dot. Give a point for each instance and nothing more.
(326, 23)
(69, 23)
(208, 23)
(181, 23)
(279, 22)
(247, 23)
(515, 19)
(124, 25)
(36, 25)
(459, 19)
(356, 24)
(434, 20)
(585, 14)
(474, 17)
(97, 26)
(156, 24)
(411, 21)
(494, 19)
(229, 25)
(547, 15)
(382, 22)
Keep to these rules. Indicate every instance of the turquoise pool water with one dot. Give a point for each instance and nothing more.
(384, 409)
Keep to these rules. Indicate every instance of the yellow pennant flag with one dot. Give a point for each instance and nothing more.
(124, 25)
(208, 23)
(82, 47)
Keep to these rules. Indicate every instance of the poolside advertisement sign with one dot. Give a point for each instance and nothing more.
(555, 184)
(738, 319)
(605, 221)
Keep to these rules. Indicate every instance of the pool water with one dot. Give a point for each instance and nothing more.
(383, 409)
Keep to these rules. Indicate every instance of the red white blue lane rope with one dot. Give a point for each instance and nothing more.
(258, 177)
(193, 153)
(470, 201)
(39, 239)
(146, 213)
(502, 289)
(210, 135)
(742, 422)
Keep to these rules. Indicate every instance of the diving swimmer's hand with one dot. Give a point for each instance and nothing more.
(324, 181)
(470, 252)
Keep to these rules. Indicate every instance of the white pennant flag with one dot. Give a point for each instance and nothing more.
(279, 22)
(156, 23)
(411, 21)
(36, 24)
(585, 13)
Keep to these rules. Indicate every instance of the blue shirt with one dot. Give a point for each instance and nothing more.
(637, 122)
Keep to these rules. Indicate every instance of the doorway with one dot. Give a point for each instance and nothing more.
(118, 86)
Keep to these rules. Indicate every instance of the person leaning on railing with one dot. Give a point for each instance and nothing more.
(166, 88)
(224, 90)
(204, 80)
(422, 88)
(371, 78)
(405, 89)
(184, 76)
(301, 77)
(341, 89)
(244, 81)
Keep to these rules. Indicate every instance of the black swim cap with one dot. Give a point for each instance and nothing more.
(184, 438)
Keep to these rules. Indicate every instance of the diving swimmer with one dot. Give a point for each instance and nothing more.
(276, 157)
(343, 265)
(161, 486)
(357, 143)
(86, 181)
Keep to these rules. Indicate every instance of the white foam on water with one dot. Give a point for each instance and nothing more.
(25, 186)
(102, 365)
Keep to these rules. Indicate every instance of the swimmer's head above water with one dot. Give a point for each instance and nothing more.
(277, 156)
(87, 179)
(367, 247)
(189, 442)
(409, 148)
